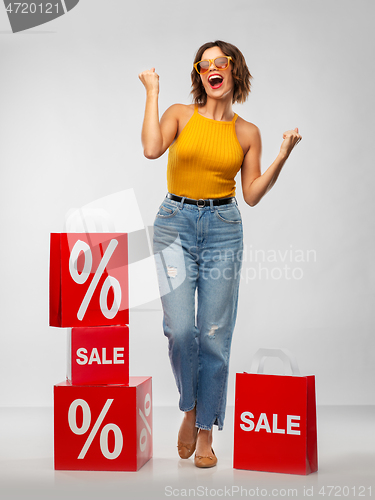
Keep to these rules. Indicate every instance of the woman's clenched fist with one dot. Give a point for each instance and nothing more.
(150, 80)
(291, 138)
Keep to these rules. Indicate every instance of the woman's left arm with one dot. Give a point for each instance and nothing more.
(254, 184)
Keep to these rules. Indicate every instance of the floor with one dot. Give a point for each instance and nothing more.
(346, 445)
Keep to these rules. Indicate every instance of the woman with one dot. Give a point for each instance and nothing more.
(198, 229)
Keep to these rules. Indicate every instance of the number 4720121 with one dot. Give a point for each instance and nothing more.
(345, 491)
(32, 8)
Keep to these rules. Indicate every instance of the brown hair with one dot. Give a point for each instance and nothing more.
(240, 72)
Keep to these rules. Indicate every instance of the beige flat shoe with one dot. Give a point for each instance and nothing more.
(186, 450)
(204, 462)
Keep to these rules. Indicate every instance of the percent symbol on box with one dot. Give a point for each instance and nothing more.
(72, 418)
(147, 410)
(81, 278)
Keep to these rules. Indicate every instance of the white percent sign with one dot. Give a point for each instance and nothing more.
(72, 418)
(147, 410)
(80, 278)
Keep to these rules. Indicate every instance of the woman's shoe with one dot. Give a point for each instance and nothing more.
(186, 450)
(204, 462)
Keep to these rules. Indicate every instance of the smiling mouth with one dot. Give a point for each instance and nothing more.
(215, 81)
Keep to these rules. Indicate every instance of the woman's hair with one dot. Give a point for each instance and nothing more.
(240, 72)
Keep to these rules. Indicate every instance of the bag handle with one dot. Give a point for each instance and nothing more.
(257, 365)
(88, 220)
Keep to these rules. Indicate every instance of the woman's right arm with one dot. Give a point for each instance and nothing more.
(156, 137)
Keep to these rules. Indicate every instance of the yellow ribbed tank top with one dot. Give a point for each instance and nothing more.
(204, 159)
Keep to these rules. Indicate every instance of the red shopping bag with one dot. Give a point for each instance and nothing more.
(275, 419)
(89, 279)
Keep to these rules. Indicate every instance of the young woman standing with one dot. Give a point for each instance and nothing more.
(198, 237)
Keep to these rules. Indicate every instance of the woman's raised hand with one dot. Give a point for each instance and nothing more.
(291, 138)
(150, 80)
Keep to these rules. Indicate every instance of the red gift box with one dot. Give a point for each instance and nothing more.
(98, 355)
(106, 428)
(275, 419)
(89, 279)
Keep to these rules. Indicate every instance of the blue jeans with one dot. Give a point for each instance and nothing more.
(199, 250)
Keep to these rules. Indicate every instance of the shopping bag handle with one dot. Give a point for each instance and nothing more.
(257, 365)
(88, 220)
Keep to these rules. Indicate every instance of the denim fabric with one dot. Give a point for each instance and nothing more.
(199, 250)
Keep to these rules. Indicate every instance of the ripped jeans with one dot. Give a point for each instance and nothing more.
(198, 254)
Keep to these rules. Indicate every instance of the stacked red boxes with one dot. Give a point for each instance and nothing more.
(102, 417)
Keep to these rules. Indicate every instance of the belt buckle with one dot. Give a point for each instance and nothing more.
(200, 200)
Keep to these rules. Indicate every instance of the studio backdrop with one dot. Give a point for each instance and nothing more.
(71, 111)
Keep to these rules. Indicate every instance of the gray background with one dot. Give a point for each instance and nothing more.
(71, 110)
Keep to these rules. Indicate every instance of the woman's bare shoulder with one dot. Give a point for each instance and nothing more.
(247, 134)
(180, 113)
(247, 127)
(181, 109)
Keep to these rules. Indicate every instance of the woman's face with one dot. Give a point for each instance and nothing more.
(217, 83)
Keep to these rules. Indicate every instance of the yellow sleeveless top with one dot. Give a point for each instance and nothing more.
(204, 159)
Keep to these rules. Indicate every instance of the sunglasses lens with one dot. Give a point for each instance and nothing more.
(203, 66)
(221, 62)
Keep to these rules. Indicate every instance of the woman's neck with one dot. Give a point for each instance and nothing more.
(220, 110)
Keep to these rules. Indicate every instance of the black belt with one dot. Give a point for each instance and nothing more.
(202, 203)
